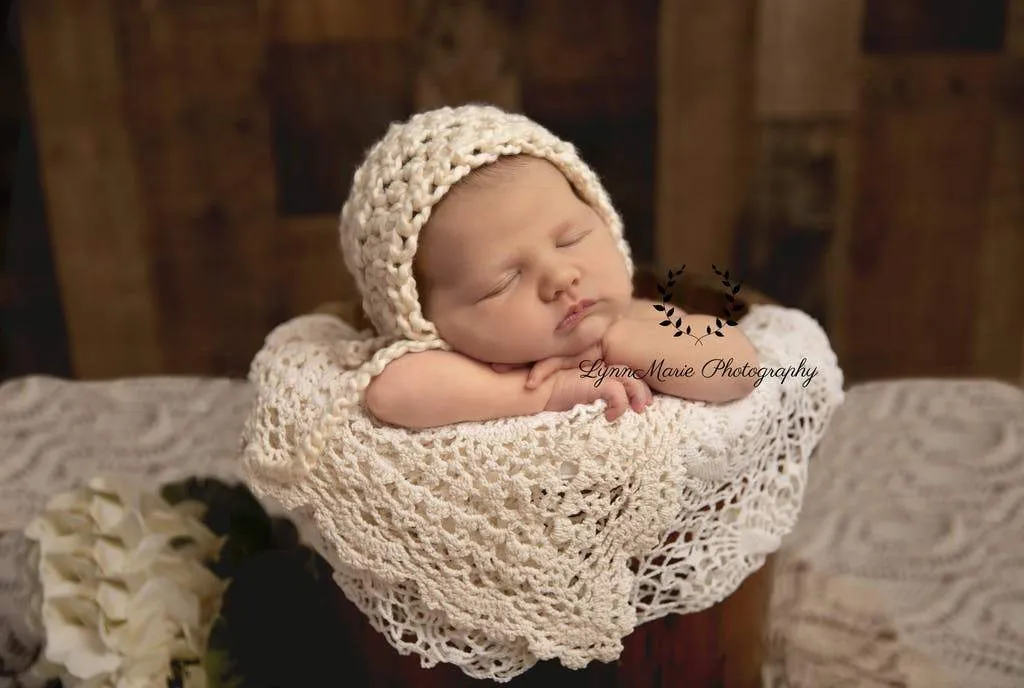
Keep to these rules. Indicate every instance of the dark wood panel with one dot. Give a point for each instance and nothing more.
(934, 26)
(35, 338)
(999, 320)
(706, 86)
(721, 646)
(573, 41)
(1014, 45)
(200, 124)
(567, 74)
(314, 272)
(807, 59)
(926, 142)
(94, 203)
(793, 212)
(323, 21)
(466, 52)
(327, 108)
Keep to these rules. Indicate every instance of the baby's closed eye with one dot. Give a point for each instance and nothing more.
(573, 240)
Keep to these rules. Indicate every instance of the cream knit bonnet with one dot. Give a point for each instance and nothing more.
(410, 170)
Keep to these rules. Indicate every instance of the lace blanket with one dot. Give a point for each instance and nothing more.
(907, 565)
(495, 545)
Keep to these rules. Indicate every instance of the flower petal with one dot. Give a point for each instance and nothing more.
(113, 600)
(80, 651)
(106, 512)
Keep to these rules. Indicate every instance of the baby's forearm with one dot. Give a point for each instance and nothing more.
(710, 370)
(434, 388)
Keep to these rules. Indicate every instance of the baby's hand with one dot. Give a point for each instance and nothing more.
(544, 369)
(547, 367)
(569, 388)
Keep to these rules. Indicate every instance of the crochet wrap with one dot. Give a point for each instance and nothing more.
(497, 544)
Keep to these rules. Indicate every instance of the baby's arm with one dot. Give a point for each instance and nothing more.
(432, 388)
(641, 343)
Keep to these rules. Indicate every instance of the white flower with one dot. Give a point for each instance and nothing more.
(124, 587)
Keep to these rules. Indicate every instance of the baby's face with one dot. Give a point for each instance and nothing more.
(502, 262)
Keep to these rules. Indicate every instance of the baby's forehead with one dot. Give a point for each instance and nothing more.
(505, 169)
(461, 226)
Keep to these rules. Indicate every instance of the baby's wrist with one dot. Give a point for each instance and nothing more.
(610, 343)
(546, 391)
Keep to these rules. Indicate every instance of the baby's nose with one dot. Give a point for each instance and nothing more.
(559, 280)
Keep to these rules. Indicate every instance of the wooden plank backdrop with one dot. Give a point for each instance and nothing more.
(887, 185)
(938, 227)
(92, 184)
(859, 160)
(192, 73)
(797, 217)
(706, 91)
(195, 154)
(926, 152)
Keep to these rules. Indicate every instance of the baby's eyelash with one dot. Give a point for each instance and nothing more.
(505, 285)
(575, 240)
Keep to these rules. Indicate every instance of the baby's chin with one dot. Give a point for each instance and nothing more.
(587, 334)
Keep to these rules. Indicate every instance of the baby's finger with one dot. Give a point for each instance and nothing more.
(648, 393)
(615, 398)
(542, 370)
(637, 393)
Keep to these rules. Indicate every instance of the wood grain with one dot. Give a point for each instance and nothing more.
(720, 647)
(791, 217)
(95, 204)
(464, 54)
(808, 58)
(705, 127)
(933, 26)
(1014, 43)
(326, 110)
(200, 124)
(314, 271)
(999, 309)
(329, 21)
(799, 213)
(926, 144)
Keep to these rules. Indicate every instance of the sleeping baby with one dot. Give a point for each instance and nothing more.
(529, 285)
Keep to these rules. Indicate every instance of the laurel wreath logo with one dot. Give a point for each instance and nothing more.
(729, 307)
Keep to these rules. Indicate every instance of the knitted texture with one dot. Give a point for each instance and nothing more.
(408, 172)
(494, 545)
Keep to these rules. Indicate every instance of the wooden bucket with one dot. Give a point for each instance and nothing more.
(723, 646)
